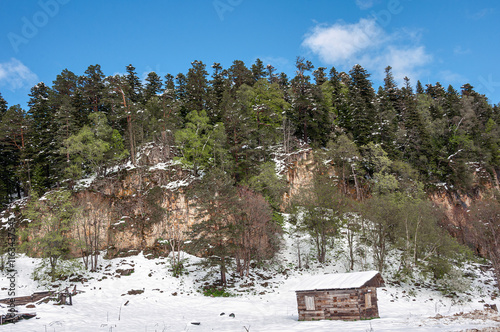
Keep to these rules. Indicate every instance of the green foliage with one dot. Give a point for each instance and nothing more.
(178, 268)
(269, 184)
(45, 276)
(319, 210)
(50, 220)
(216, 292)
(93, 147)
(216, 200)
(198, 144)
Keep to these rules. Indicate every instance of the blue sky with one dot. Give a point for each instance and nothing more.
(451, 42)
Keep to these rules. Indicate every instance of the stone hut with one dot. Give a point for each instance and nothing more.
(341, 296)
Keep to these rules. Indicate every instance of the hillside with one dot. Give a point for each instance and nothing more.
(252, 175)
(264, 301)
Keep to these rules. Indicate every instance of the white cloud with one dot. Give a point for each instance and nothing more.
(341, 42)
(364, 4)
(406, 61)
(452, 78)
(15, 75)
(368, 44)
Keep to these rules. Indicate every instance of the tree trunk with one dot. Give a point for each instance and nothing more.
(358, 191)
(223, 271)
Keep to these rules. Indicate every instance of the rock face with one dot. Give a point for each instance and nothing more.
(123, 212)
(125, 209)
(132, 209)
(455, 206)
(299, 172)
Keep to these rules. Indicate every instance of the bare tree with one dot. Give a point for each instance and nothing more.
(91, 216)
(485, 220)
(176, 236)
(255, 232)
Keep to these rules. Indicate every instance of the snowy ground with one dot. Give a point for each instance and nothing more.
(173, 304)
(264, 302)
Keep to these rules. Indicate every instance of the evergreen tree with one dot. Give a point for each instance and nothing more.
(390, 87)
(181, 95)
(302, 91)
(216, 201)
(43, 150)
(48, 232)
(133, 88)
(419, 88)
(271, 73)
(67, 104)
(196, 87)
(3, 106)
(153, 86)
(93, 90)
(320, 76)
(266, 106)
(239, 74)
(8, 162)
(362, 97)
(388, 112)
(217, 89)
(15, 128)
(258, 70)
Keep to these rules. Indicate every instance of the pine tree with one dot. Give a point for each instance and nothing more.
(216, 201)
(388, 112)
(419, 88)
(265, 105)
(271, 73)
(14, 136)
(8, 161)
(181, 95)
(217, 89)
(93, 90)
(93, 148)
(362, 99)
(197, 142)
(49, 227)
(302, 91)
(258, 70)
(3, 106)
(43, 150)
(239, 74)
(196, 87)
(133, 88)
(124, 108)
(153, 86)
(320, 76)
(65, 100)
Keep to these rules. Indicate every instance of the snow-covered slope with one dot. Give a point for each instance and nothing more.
(265, 301)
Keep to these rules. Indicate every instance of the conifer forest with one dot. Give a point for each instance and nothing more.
(379, 154)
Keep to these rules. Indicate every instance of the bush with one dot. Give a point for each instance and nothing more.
(454, 282)
(64, 270)
(178, 268)
(216, 292)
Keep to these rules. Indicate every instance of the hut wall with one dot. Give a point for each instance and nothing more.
(344, 304)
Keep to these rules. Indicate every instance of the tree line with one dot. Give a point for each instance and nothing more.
(387, 147)
(83, 124)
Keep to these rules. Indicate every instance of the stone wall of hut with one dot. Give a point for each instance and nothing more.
(338, 304)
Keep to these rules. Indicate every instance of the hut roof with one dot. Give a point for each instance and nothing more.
(341, 281)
